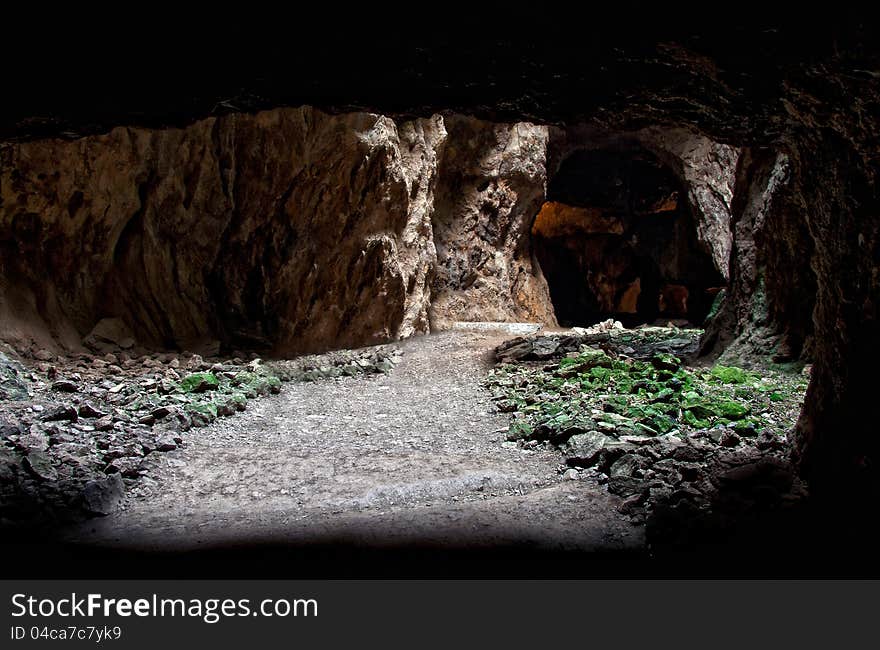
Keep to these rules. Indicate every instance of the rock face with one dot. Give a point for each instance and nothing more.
(707, 169)
(491, 185)
(289, 230)
(293, 231)
(764, 314)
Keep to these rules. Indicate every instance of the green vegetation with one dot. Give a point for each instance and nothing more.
(204, 396)
(591, 391)
(733, 375)
(198, 382)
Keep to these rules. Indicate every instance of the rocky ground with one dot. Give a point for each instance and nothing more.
(78, 432)
(410, 457)
(691, 450)
(583, 439)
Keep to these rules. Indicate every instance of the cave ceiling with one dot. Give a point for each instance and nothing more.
(746, 82)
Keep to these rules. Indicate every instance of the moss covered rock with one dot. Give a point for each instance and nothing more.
(199, 382)
(733, 375)
(731, 410)
(202, 413)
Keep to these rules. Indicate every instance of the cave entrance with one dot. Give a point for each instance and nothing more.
(616, 238)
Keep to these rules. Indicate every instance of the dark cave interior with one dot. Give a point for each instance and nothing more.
(616, 239)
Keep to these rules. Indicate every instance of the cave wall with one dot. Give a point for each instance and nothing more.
(766, 313)
(491, 184)
(837, 438)
(291, 230)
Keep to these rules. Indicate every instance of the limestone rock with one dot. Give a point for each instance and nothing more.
(65, 386)
(103, 496)
(583, 450)
(12, 385)
(491, 185)
(39, 464)
(89, 410)
(290, 229)
(108, 335)
(61, 413)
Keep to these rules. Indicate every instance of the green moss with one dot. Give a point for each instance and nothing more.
(243, 378)
(616, 404)
(239, 400)
(690, 418)
(733, 375)
(198, 382)
(664, 394)
(202, 413)
(253, 384)
(701, 410)
(637, 397)
(519, 430)
(592, 358)
(274, 384)
(663, 423)
(731, 410)
(665, 361)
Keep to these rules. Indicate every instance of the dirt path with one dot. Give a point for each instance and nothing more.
(414, 456)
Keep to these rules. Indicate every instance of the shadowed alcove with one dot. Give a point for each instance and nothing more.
(616, 239)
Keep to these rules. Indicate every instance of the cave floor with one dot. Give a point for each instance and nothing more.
(413, 459)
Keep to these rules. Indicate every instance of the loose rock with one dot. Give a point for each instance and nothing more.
(103, 496)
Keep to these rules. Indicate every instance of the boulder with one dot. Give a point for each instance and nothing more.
(584, 449)
(103, 496)
(109, 335)
(12, 386)
(39, 465)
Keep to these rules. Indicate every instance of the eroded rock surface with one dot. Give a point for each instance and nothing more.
(491, 185)
(288, 230)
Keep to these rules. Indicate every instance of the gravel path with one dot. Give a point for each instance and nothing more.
(412, 456)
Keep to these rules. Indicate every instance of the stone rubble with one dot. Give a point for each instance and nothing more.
(77, 431)
(687, 449)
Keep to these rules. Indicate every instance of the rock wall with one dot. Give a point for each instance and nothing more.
(289, 230)
(836, 173)
(294, 231)
(766, 314)
(491, 184)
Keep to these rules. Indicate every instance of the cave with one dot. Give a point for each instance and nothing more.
(616, 239)
(254, 311)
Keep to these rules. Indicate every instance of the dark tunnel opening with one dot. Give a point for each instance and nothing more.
(617, 238)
